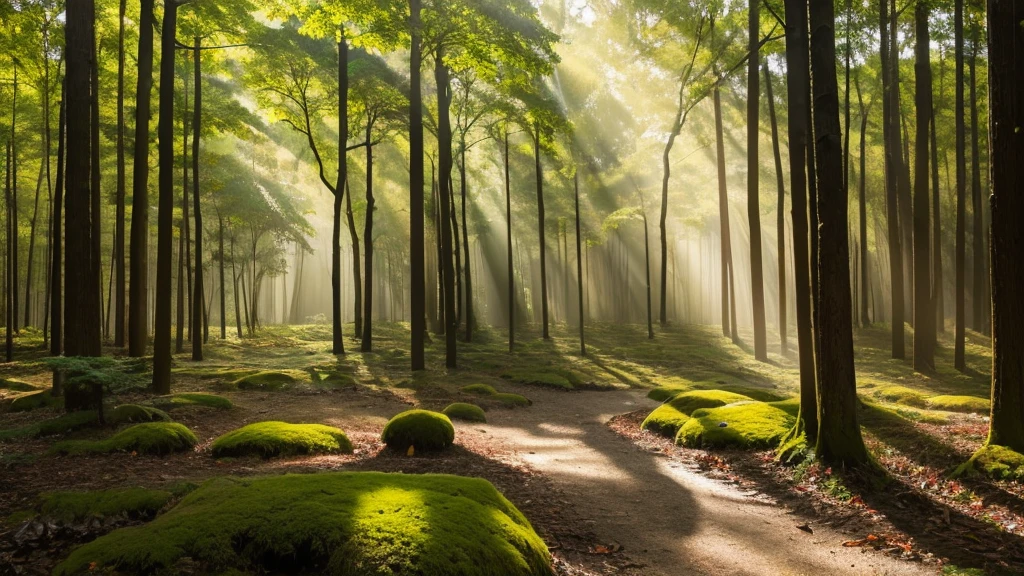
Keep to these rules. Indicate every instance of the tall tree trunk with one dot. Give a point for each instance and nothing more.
(647, 278)
(579, 263)
(184, 256)
(508, 240)
(357, 282)
(901, 155)
(540, 232)
(138, 286)
(47, 151)
(13, 205)
(723, 215)
(453, 211)
(338, 345)
(797, 88)
(234, 294)
(924, 311)
(893, 166)
(937, 296)
(1006, 116)
(865, 319)
(839, 440)
(470, 320)
(979, 234)
(367, 342)
(961, 191)
(32, 245)
(220, 242)
(8, 292)
(781, 184)
(94, 200)
(179, 324)
(753, 171)
(119, 291)
(198, 298)
(417, 244)
(165, 215)
(444, 136)
(57, 242)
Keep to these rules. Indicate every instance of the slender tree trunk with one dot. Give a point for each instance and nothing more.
(8, 292)
(32, 246)
(579, 263)
(444, 135)
(647, 279)
(979, 234)
(184, 292)
(198, 298)
(540, 232)
(95, 314)
(220, 242)
(417, 257)
(234, 293)
(13, 205)
(753, 170)
(924, 311)
(961, 191)
(865, 320)
(723, 215)
(47, 150)
(119, 293)
(367, 343)
(781, 184)
(338, 346)
(453, 211)
(357, 282)
(470, 320)
(57, 241)
(893, 166)
(937, 295)
(839, 440)
(508, 240)
(138, 305)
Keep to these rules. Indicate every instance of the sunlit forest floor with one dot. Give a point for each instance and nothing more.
(606, 496)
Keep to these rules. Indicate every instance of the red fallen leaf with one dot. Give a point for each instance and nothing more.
(872, 538)
(828, 471)
(854, 543)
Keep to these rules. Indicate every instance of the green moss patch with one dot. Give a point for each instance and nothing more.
(203, 399)
(269, 439)
(511, 400)
(133, 502)
(268, 380)
(662, 393)
(60, 425)
(665, 420)
(899, 395)
(550, 379)
(34, 400)
(16, 385)
(126, 413)
(422, 429)
(149, 438)
(347, 524)
(479, 389)
(465, 411)
(336, 380)
(960, 404)
(741, 425)
(994, 461)
(687, 402)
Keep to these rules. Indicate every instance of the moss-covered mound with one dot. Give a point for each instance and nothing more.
(479, 389)
(269, 439)
(741, 425)
(149, 438)
(994, 461)
(422, 429)
(266, 380)
(899, 395)
(133, 502)
(668, 418)
(465, 411)
(336, 379)
(60, 425)
(665, 420)
(33, 400)
(548, 378)
(511, 400)
(346, 524)
(126, 413)
(960, 404)
(662, 393)
(201, 399)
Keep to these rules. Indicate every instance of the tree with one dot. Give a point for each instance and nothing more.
(893, 166)
(753, 193)
(120, 285)
(978, 237)
(924, 311)
(961, 191)
(417, 244)
(781, 227)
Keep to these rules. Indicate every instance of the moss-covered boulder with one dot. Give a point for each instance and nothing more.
(665, 420)
(969, 404)
(740, 425)
(128, 413)
(511, 400)
(269, 439)
(538, 377)
(34, 400)
(149, 438)
(668, 418)
(994, 461)
(347, 524)
(465, 411)
(479, 389)
(202, 399)
(74, 506)
(267, 380)
(422, 429)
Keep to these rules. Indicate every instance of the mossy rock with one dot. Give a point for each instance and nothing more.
(550, 379)
(994, 461)
(266, 380)
(73, 506)
(126, 413)
(900, 395)
(336, 380)
(479, 389)
(970, 404)
(465, 411)
(203, 399)
(16, 385)
(149, 438)
(511, 400)
(269, 439)
(687, 402)
(34, 400)
(422, 429)
(347, 524)
(665, 420)
(746, 425)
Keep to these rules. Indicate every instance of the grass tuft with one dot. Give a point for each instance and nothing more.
(269, 439)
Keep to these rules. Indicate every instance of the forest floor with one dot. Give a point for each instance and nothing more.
(607, 497)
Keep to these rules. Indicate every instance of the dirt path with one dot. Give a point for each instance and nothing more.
(670, 519)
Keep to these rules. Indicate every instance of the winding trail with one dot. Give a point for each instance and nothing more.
(672, 520)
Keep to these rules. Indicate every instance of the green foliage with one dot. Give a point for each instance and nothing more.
(479, 389)
(126, 413)
(193, 399)
(348, 524)
(747, 425)
(132, 502)
(269, 439)
(422, 429)
(665, 420)
(511, 400)
(994, 461)
(952, 403)
(550, 379)
(465, 411)
(266, 380)
(150, 438)
(34, 400)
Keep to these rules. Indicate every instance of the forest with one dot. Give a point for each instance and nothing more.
(512, 287)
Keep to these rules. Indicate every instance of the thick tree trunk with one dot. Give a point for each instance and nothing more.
(120, 287)
(839, 439)
(540, 232)
(367, 336)
(961, 192)
(924, 311)
(138, 286)
(444, 136)
(417, 244)
(781, 227)
(893, 165)
(753, 171)
(57, 243)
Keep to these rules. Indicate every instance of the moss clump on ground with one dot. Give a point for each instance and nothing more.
(126, 413)
(269, 439)
(149, 438)
(960, 404)
(465, 411)
(422, 429)
(668, 418)
(746, 425)
(479, 389)
(193, 399)
(60, 425)
(16, 385)
(900, 395)
(33, 400)
(266, 380)
(550, 379)
(994, 461)
(665, 420)
(662, 393)
(511, 400)
(336, 380)
(133, 502)
(347, 524)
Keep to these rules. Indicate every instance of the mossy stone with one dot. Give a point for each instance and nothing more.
(511, 400)
(746, 425)
(465, 411)
(665, 420)
(550, 379)
(994, 461)
(34, 400)
(422, 429)
(269, 439)
(126, 413)
(266, 380)
(970, 404)
(133, 502)
(149, 438)
(479, 389)
(346, 524)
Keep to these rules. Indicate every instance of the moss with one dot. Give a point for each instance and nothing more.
(347, 524)
(133, 502)
(899, 395)
(687, 402)
(33, 400)
(421, 429)
(551, 379)
(269, 439)
(336, 380)
(16, 385)
(665, 420)
(465, 411)
(662, 393)
(747, 425)
(66, 423)
(148, 438)
(511, 400)
(207, 373)
(266, 380)
(960, 404)
(479, 389)
(126, 413)
(994, 461)
(193, 399)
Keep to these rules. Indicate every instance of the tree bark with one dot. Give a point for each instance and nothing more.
(865, 319)
(753, 172)
(508, 240)
(223, 307)
(961, 191)
(57, 242)
(120, 287)
(444, 135)
(723, 215)
(357, 282)
(540, 232)
(417, 244)
(338, 345)
(138, 286)
(893, 166)
(579, 264)
(198, 297)
(979, 234)
(470, 321)
(367, 336)
(924, 311)
(781, 227)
